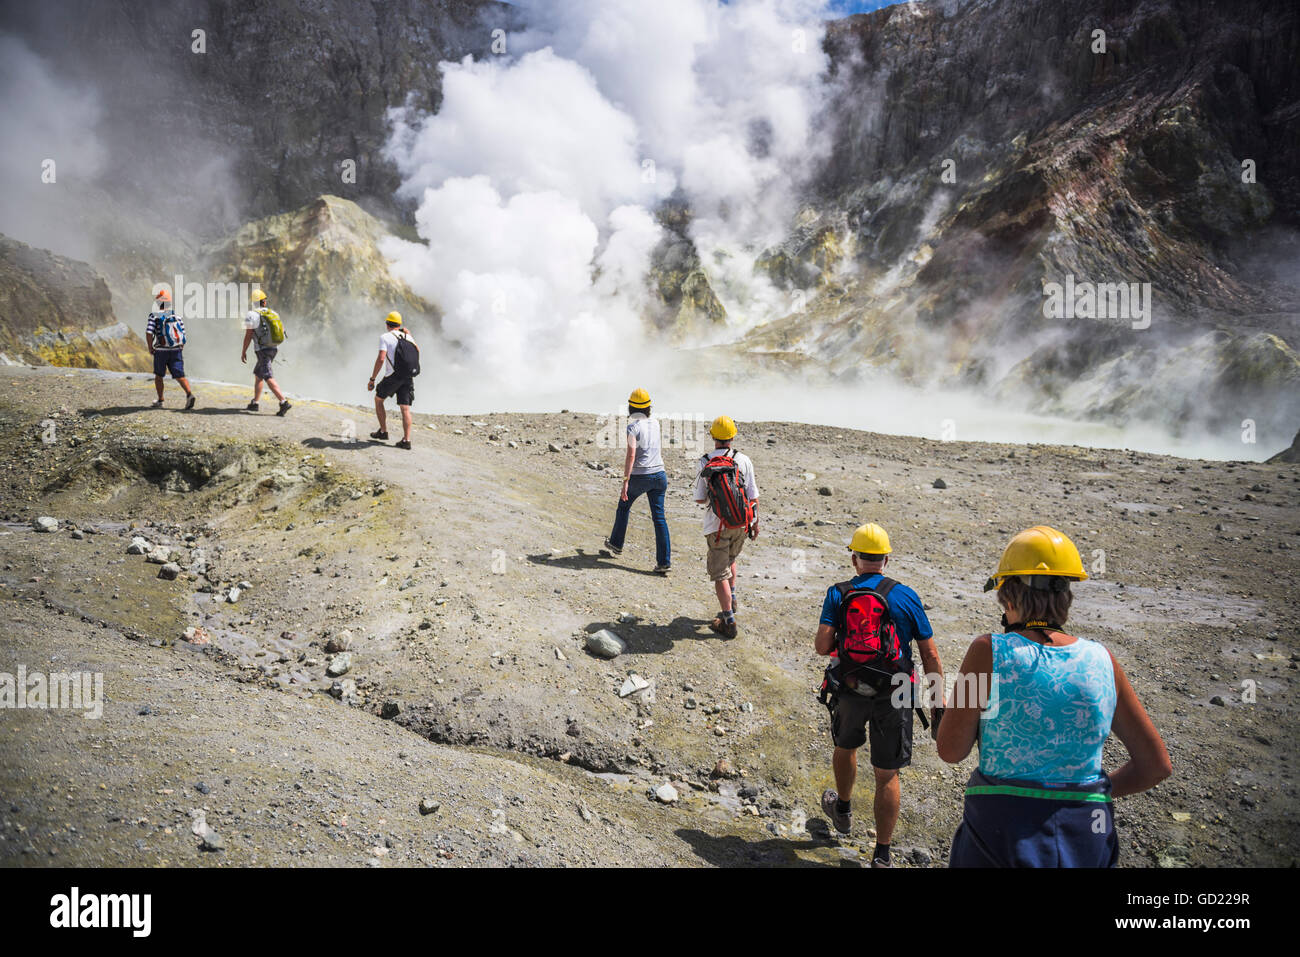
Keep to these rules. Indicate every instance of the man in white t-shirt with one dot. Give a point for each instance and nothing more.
(725, 540)
(643, 474)
(257, 333)
(393, 382)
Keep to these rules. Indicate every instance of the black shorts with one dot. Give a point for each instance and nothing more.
(890, 728)
(404, 389)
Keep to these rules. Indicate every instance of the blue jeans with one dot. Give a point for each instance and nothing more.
(653, 487)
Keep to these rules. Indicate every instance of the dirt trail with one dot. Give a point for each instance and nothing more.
(466, 575)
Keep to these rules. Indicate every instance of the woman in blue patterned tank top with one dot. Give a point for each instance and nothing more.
(1040, 703)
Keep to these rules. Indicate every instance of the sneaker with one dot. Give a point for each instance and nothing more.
(189, 403)
(880, 862)
(404, 444)
(727, 629)
(377, 434)
(842, 822)
(284, 407)
(609, 546)
(157, 404)
(251, 407)
(663, 569)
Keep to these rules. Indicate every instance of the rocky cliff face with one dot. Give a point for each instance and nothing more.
(984, 150)
(321, 265)
(263, 119)
(58, 311)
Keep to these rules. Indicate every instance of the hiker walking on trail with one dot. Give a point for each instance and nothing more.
(868, 625)
(164, 333)
(263, 327)
(399, 358)
(643, 474)
(1041, 704)
(725, 482)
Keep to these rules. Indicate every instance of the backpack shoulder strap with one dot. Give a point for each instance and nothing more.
(885, 586)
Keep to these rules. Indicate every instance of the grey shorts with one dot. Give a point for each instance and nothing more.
(263, 368)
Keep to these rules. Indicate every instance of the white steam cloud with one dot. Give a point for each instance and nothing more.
(538, 178)
(45, 120)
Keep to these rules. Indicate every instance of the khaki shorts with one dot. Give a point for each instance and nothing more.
(724, 547)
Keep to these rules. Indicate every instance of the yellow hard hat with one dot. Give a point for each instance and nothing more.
(723, 428)
(258, 295)
(870, 539)
(639, 399)
(1039, 551)
(393, 318)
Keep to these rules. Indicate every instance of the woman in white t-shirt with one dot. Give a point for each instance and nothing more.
(643, 474)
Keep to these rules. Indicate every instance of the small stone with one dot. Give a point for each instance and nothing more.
(46, 524)
(430, 806)
(340, 666)
(826, 490)
(197, 635)
(939, 483)
(633, 684)
(1217, 699)
(666, 793)
(338, 643)
(212, 842)
(232, 596)
(78, 534)
(605, 644)
(202, 788)
(1182, 817)
(390, 710)
(919, 856)
(343, 689)
(159, 555)
(138, 546)
(169, 572)
(559, 655)
(722, 769)
(552, 447)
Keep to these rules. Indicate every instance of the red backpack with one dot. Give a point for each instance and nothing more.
(866, 638)
(727, 496)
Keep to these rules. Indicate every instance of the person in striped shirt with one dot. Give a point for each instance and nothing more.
(165, 335)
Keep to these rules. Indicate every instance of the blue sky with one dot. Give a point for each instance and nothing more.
(846, 7)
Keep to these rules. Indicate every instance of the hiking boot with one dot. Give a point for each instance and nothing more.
(663, 569)
(404, 444)
(157, 404)
(251, 407)
(379, 434)
(609, 546)
(727, 629)
(880, 862)
(842, 822)
(284, 407)
(189, 403)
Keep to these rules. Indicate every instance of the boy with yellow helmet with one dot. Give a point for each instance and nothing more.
(1041, 703)
(725, 481)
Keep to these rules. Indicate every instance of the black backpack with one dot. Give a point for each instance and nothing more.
(406, 358)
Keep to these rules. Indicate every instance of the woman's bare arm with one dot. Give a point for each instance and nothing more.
(961, 720)
(1148, 762)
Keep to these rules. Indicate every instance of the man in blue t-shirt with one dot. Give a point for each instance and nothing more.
(855, 708)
